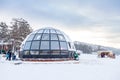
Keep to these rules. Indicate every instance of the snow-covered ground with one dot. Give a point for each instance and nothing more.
(89, 67)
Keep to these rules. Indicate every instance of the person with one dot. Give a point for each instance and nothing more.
(76, 56)
(13, 57)
(8, 55)
(102, 54)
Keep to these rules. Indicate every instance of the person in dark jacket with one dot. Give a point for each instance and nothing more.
(76, 56)
(9, 55)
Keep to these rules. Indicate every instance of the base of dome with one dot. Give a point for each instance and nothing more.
(46, 60)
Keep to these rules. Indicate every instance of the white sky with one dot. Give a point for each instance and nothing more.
(91, 21)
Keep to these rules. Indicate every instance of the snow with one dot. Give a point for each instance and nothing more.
(89, 67)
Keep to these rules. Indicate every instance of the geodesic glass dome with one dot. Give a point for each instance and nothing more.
(47, 43)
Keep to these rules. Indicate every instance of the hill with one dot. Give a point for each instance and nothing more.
(91, 48)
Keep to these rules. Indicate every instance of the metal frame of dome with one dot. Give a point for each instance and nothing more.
(47, 43)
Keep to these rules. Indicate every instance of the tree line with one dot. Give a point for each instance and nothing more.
(17, 31)
(88, 48)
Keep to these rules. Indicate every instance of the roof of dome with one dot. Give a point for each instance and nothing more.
(51, 30)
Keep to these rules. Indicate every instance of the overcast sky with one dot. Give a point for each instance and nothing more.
(91, 21)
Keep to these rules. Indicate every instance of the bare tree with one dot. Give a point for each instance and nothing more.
(4, 32)
(19, 30)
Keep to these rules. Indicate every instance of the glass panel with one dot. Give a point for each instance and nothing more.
(63, 45)
(64, 52)
(61, 37)
(34, 32)
(37, 37)
(34, 52)
(52, 31)
(69, 45)
(27, 45)
(30, 38)
(44, 45)
(58, 32)
(55, 52)
(54, 37)
(40, 31)
(45, 37)
(26, 52)
(46, 31)
(72, 46)
(44, 52)
(35, 45)
(54, 45)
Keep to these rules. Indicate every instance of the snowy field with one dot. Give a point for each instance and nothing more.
(89, 67)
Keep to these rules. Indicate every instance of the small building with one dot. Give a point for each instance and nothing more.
(47, 44)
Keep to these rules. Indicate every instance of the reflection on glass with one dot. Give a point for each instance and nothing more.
(63, 45)
(30, 37)
(26, 52)
(37, 37)
(72, 46)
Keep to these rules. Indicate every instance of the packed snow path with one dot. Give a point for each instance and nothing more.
(89, 67)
